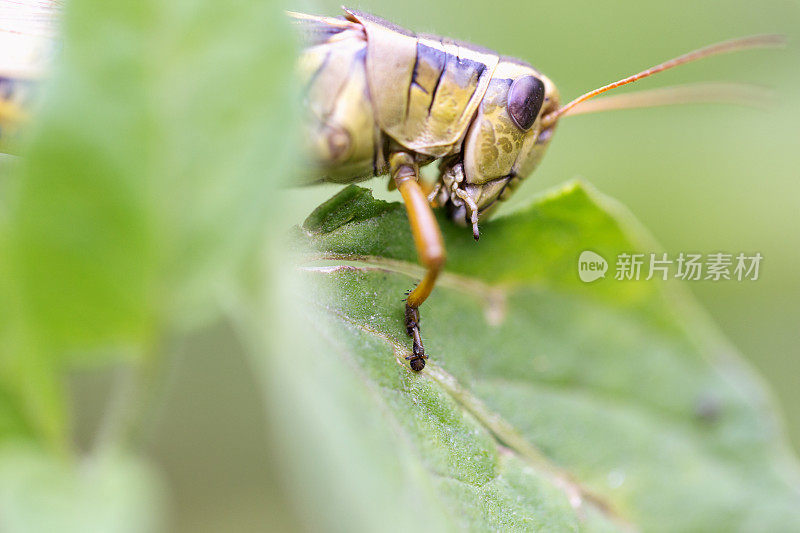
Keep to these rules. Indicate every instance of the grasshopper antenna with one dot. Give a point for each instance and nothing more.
(694, 93)
(733, 45)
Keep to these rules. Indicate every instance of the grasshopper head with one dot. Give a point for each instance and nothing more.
(504, 143)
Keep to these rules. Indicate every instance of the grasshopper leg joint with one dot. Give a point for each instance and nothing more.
(417, 358)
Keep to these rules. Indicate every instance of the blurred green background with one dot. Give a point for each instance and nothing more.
(701, 178)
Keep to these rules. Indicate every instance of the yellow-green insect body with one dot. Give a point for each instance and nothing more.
(383, 100)
(374, 88)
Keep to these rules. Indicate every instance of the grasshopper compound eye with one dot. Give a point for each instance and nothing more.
(525, 99)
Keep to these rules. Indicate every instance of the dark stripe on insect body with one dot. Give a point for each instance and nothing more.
(458, 81)
(434, 60)
(466, 71)
(331, 77)
(413, 81)
(441, 77)
(449, 49)
(460, 87)
(435, 91)
(427, 73)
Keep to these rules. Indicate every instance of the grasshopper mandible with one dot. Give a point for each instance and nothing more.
(383, 100)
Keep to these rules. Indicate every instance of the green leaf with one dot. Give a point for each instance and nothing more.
(547, 403)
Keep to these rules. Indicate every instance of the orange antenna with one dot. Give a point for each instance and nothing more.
(743, 43)
(695, 93)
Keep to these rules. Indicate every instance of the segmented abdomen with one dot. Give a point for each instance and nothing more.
(342, 136)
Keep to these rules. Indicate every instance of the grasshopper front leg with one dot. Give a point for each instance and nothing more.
(428, 241)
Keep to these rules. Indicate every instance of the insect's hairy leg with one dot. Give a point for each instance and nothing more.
(427, 239)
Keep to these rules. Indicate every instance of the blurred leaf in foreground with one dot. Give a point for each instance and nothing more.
(41, 494)
(145, 183)
(547, 404)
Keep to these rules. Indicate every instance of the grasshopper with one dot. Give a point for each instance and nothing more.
(383, 100)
